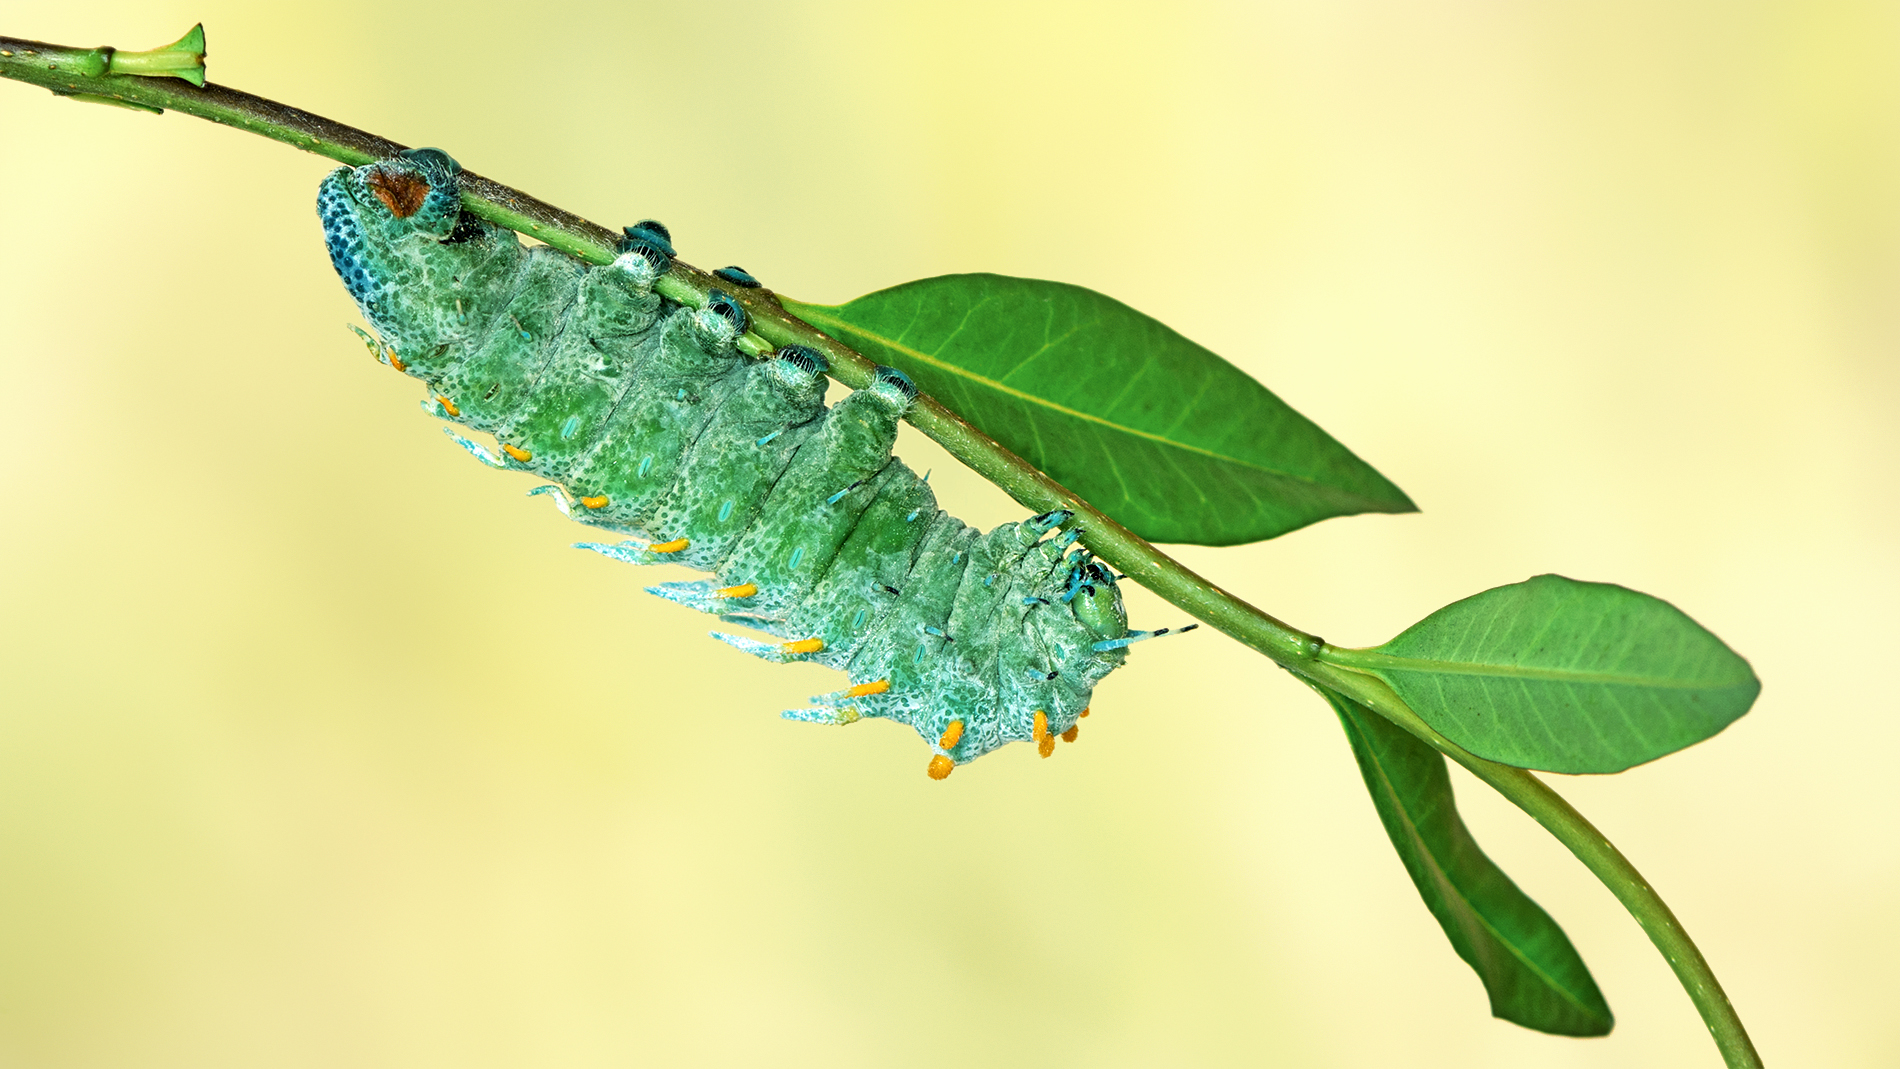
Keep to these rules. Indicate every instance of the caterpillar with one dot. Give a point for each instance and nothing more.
(648, 421)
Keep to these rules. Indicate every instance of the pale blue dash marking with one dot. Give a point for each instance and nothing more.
(857, 621)
(990, 580)
(771, 436)
(797, 555)
(725, 512)
(956, 558)
(646, 465)
(567, 429)
(912, 516)
(835, 498)
(1123, 643)
(680, 396)
(922, 652)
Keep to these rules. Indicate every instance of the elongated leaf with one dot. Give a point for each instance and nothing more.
(1532, 973)
(1168, 438)
(1565, 676)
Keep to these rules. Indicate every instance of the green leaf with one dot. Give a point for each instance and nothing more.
(1532, 973)
(1171, 440)
(1564, 676)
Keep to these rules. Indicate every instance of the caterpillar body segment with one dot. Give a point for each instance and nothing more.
(645, 419)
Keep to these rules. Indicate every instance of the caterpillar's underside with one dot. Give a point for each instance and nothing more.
(646, 419)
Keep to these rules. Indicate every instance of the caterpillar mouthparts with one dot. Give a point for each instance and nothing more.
(647, 420)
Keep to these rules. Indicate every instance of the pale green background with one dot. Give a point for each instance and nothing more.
(319, 748)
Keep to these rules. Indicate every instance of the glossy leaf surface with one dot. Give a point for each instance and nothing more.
(1530, 970)
(1565, 676)
(1174, 442)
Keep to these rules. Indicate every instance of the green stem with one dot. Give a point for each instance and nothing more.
(63, 71)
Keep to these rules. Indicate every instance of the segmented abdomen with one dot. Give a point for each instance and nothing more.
(647, 420)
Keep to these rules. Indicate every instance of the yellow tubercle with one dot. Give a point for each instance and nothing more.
(594, 502)
(1040, 729)
(743, 590)
(939, 767)
(1046, 745)
(669, 547)
(447, 405)
(803, 645)
(521, 456)
(952, 735)
(862, 690)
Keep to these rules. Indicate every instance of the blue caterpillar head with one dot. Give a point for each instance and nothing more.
(1098, 603)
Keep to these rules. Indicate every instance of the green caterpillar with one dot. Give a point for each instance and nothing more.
(648, 420)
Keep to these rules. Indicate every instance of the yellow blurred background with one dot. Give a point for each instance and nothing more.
(318, 747)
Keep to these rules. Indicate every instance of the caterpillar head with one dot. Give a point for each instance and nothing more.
(1098, 603)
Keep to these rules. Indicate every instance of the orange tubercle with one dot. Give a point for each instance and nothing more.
(397, 364)
(862, 690)
(521, 455)
(1046, 745)
(1040, 730)
(803, 645)
(594, 502)
(952, 735)
(447, 405)
(743, 590)
(1085, 712)
(939, 767)
(1069, 735)
(669, 547)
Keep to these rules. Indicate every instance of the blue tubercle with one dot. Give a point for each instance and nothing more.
(738, 277)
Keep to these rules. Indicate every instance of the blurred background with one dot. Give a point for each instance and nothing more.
(319, 747)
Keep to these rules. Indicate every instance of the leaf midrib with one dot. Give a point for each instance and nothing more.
(1375, 661)
(1445, 880)
(810, 314)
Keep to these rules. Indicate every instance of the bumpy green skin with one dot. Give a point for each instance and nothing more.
(611, 391)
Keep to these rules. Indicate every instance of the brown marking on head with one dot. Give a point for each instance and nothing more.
(401, 192)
